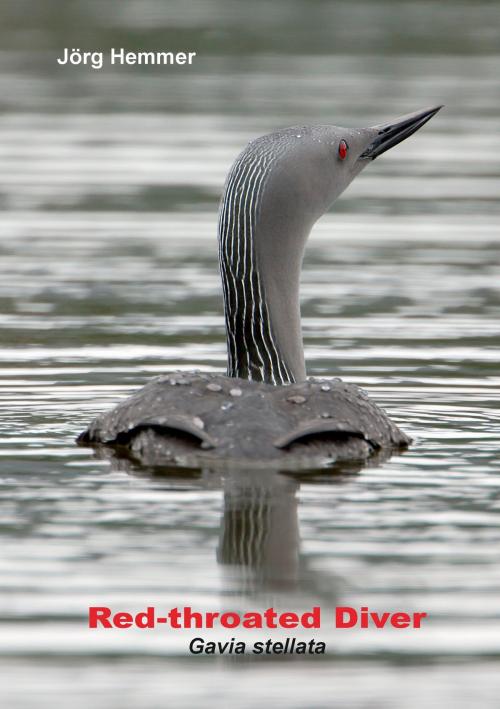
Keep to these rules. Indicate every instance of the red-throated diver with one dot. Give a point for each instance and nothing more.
(276, 190)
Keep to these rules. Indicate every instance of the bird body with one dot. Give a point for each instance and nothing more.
(265, 408)
(189, 418)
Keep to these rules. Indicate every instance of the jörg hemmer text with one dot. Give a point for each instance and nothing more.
(120, 56)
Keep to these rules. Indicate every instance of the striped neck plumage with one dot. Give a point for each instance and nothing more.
(253, 342)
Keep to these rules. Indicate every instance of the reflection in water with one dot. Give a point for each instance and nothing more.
(259, 533)
(260, 529)
(259, 536)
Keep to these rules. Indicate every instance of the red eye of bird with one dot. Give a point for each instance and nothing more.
(343, 148)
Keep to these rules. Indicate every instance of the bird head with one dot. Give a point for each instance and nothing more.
(315, 164)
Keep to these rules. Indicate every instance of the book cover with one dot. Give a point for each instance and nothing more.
(211, 199)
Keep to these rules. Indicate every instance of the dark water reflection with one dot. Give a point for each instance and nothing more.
(108, 276)
(259, 531)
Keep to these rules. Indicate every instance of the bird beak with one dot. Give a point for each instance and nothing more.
(390, 134)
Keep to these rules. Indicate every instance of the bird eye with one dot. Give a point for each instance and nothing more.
(343, 149)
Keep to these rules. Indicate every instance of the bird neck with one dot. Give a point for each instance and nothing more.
(260, 288)
(263, 330)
